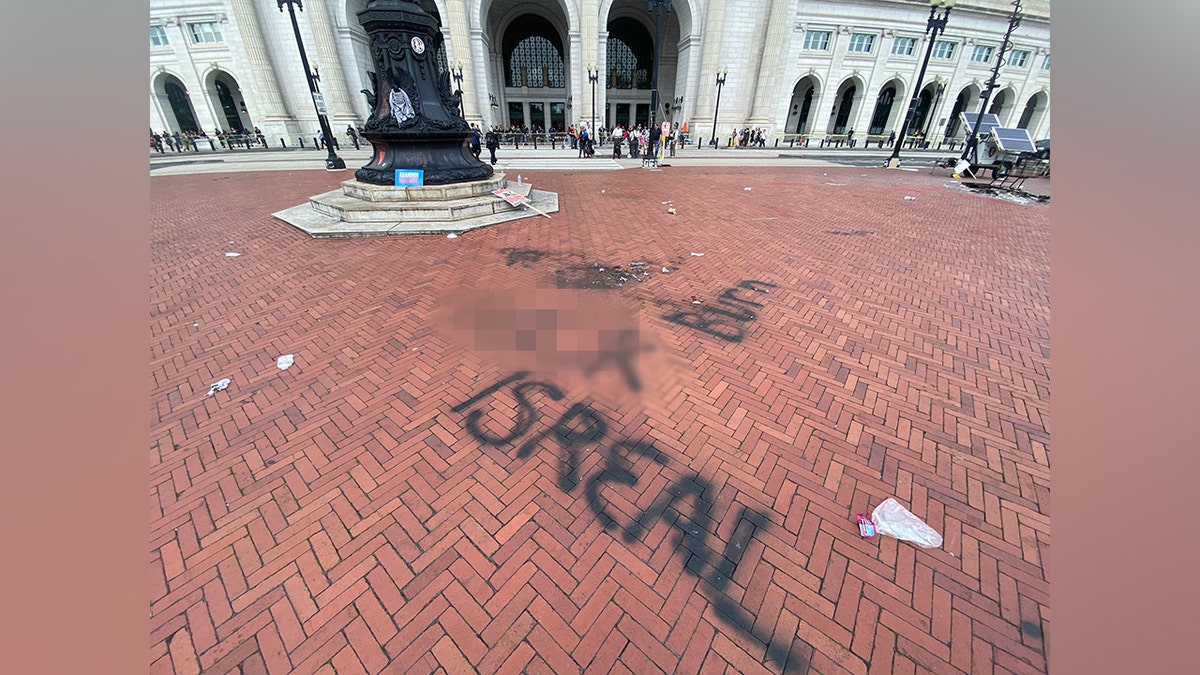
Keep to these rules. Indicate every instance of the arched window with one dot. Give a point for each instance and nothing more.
(534, 55)
(629, 55)
(883, 110)
(843, 115)
(1027, 114)
(181, 106)
(229, 107)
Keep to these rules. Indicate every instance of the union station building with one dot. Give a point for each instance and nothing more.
(814, 67)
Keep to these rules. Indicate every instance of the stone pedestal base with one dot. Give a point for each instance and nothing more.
(365, 210)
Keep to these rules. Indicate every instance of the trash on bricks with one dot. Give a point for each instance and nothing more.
(284, 362)
(666, 271)
(909, 198)
(218, 386)
(698, 255)
(671, 210)
(452, 235)
(231, 254)
(667, 202)
(747, 189)
(894, 520)
(866, 529)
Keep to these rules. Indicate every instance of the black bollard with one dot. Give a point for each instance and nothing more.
(301, 139)
(282, 143)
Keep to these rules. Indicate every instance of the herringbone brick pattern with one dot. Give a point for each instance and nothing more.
(669, 490)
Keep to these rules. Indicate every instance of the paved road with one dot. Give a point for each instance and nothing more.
(484, 460)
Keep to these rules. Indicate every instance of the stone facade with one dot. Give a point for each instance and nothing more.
(251, 74)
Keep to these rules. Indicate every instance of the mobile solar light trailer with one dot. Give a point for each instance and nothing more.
(996, 147)
(1003, 147)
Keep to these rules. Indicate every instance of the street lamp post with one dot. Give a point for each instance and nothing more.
(593, 76)
(720, 83)
(658, 8)
(1014, 20)
(935, 26)
(457, 71)
(332, 161)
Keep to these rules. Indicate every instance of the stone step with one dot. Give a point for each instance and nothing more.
(337, 204)
(425, 193)
(321, 225)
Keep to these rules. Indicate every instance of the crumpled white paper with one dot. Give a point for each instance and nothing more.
(218, 386)
(231, 254)
(284, 362)
(894, 520)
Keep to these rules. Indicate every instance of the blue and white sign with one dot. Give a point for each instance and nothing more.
(410, 177)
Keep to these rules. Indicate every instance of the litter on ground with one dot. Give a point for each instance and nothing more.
(231, 254)
(909, 198)
(284, 362)
(452, 236)
(894, 520)
(698, 255)
(666, 271)
(218, 386)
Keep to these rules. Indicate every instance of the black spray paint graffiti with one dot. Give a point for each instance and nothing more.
(715, 321)
(685, 505)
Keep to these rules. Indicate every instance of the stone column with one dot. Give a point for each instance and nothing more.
(710, 63)
(460, 48)
(325, 53)
(481, 71)
(766, 98)
(264, 89)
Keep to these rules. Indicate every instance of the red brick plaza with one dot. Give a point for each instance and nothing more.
(491, 456)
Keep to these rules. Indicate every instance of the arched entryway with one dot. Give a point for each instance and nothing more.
(844, 105)
(228, 102)
(923, 110)
(800, 111)
(1035, 109)
(629, 60)
(176, 104)
(629, 54)
(888, 107)
(1001, 105)
(529, 52)
(954, 126)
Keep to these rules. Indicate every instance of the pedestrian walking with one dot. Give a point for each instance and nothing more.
(493, 143)
(353, 135)
(475, 141)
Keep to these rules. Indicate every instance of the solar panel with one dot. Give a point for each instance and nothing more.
(1013, 140)
(990, 122)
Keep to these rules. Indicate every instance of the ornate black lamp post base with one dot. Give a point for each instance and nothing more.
(335, 164)
(415, 121)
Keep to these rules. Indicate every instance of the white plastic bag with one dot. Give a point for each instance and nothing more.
(896, 521)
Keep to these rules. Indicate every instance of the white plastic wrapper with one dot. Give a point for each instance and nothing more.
(896, 521)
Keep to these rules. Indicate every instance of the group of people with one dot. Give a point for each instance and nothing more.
(176, 141)
(750, 138)
(640, 141)
(187, 140)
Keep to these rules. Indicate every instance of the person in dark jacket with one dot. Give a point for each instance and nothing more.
(475, 141)
(493, 143)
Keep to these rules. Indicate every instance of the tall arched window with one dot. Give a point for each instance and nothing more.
(181, 106)
(629, 55)
(1027, 114)
(533, 54)
(229, 107)
(843, 115)
(883, 110)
